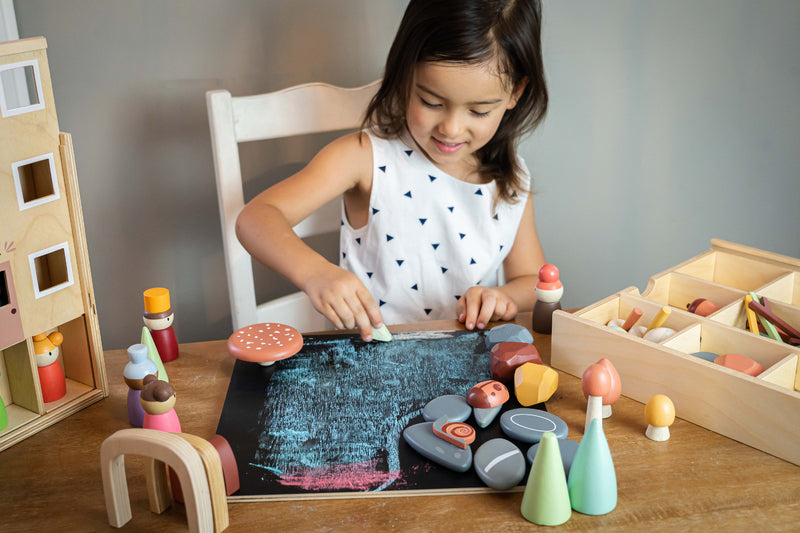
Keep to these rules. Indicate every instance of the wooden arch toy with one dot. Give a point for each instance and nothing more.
(194, 459)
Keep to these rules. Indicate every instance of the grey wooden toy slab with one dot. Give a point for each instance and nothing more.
(565, 446)
(499, 464)
(423, 440)
(455, 407)
(528, 425)
(507, 333)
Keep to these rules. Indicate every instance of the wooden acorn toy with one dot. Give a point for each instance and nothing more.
(548, 298)
(158, 317)
(51, 375)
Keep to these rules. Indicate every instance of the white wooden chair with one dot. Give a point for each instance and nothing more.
(299, 110)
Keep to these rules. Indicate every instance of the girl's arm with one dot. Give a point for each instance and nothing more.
(479, 305)
(264, 227)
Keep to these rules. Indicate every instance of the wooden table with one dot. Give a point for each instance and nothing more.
(697, 480)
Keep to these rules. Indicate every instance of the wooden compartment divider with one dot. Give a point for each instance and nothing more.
(761, 411)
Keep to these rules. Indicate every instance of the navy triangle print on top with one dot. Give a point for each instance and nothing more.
(450, 208)
(422, 221)
(472, 261)
(409, 152)
(432, 178)
(435, 245)
(389, 237)
(479, 192)
(382, 168)
(408, 194)
(428, 311)
(375, 211)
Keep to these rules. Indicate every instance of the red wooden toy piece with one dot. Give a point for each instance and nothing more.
(265, 343)
(702, 307)
(596, 383)
(230, 471)
(548, 299)
(616, 387)
(51, 375)
(487, 394)
(506, 357)
(739, 362)
(457, 433)
(158, 318)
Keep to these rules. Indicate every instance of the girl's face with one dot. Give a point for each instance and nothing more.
(454, 110)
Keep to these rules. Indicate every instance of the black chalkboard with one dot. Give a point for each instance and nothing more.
(330, 419)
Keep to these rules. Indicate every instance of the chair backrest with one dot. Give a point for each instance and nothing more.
(299, 110)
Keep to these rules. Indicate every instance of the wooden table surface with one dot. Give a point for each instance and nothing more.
(697, 480)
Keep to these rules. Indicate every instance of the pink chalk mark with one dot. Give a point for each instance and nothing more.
(359, 477)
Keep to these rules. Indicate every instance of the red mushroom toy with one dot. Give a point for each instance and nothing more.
(265, 343)
(616, 387)
(596, 383)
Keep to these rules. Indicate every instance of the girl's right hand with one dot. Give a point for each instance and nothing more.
(344, 300)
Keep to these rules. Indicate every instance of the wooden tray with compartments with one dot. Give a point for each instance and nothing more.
(762, 411)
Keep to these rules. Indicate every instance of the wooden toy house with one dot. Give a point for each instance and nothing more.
(45, 281)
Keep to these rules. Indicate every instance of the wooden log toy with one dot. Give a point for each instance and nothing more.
(549, 291)
(592, 480)
(486, 399)
(534, 383)
(134, 373)
(627, 323)
(265, 343)
(660, 318)
(740, 363)
(616, 387)
(51, 375)
(158, 317)
(702, 307)
(660, 414)
(596, 383)
(198, 469)
(506, 357)
(546, 499)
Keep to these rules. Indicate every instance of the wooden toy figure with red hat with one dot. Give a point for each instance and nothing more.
(51, 375)
(548, 298)
(158, 318)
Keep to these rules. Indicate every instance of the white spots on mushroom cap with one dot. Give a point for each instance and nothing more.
(266, 335)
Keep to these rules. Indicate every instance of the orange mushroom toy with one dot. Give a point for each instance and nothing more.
(265, 343)
(660, 414)
(596, 383)
(616, 387)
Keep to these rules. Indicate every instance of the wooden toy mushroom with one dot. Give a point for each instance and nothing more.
(486, 399)
(265, 343)
(616, 387)
(596, 383)
(660, 414)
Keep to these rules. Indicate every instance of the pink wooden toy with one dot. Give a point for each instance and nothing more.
(51, 375)
(596, 383)
(158, 401)
(158, 317)
(548, 298)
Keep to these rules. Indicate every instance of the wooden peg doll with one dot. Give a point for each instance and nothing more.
(549, 291)
(158, 317)
(158, 401)
(134, 373)
(51, 375)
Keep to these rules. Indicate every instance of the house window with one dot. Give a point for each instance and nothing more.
(36, 181)
(51, 269)
(20, 88)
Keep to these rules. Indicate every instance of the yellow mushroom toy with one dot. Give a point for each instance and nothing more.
(660, 414)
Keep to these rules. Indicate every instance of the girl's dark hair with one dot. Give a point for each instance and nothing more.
(470, 32)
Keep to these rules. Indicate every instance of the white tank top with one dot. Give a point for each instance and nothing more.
(429, 236)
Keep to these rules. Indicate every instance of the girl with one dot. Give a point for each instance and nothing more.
(435, 198)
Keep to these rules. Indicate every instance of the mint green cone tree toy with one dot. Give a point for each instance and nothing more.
(592, 480)
(546, 499)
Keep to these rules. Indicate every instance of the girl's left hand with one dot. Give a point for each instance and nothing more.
(480, 305)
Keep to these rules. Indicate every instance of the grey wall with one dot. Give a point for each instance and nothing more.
(670, 123)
